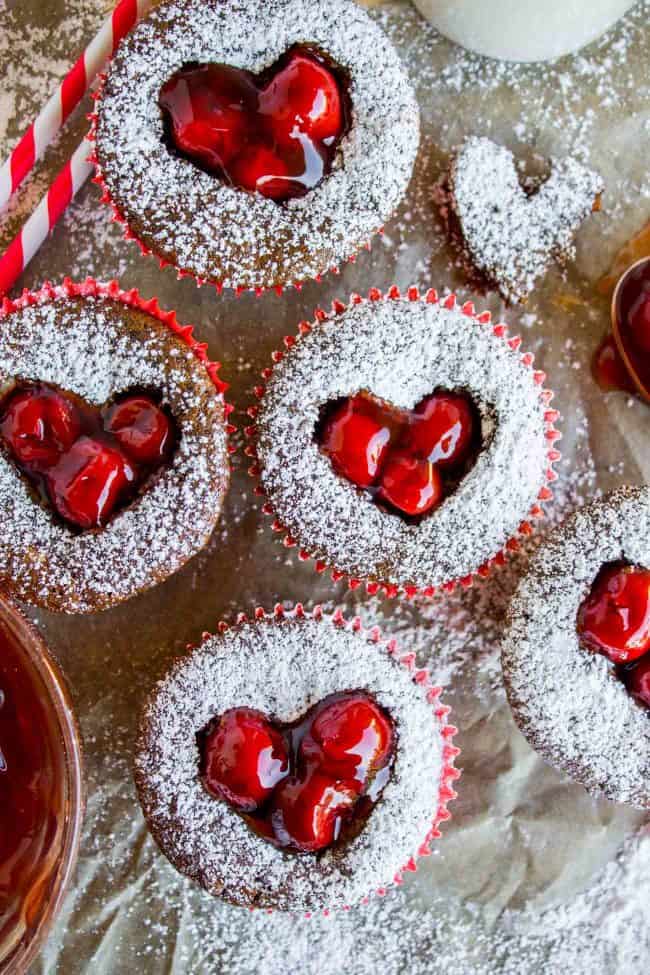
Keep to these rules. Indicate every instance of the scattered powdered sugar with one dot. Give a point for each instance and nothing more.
(401, 350)
(283, 666)
(569, 703)
(197, 222)
(96, 348)
(508, 235)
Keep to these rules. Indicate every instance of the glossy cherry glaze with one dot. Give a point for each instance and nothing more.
(32, 797)
(302, 786)
(609, 370)
(276, 133)
(408, 461)
(82, 461)
(614, 620)
(622, 361)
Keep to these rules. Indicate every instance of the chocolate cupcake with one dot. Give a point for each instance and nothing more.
(403, 441)
(255, 145)
(507, 233)
(114, 460)
(576, 656)
(295, 762)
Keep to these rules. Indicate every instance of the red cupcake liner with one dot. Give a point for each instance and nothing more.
(421, 677)
(552, 435)
(146, 251)
(132, 299)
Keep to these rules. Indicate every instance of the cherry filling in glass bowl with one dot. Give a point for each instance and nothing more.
(304, 786)
(85, 462)
(276, 133)
(614, 620)
(41, 802)
(408, 461)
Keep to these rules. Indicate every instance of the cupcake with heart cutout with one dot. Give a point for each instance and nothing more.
(403, 441)
(251, 145)
(113, 446)
(576, 652)
(295, 762)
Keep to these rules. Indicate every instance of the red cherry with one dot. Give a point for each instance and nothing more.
(308, 811)
(349, 739)
(244, 758)
(356, 438)
(209, 111)
(141, 428)
(261, 169)
(89, 481)
(278, 141)
(39, 424)
(637, 680)
(614, 619)
(410, 484)
(303, 98)
(441, 429)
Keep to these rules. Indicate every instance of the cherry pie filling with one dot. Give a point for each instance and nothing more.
(632, 313)
(304, 786)
(614, 620)
(276, 133)
(83, 462)
(408, 461)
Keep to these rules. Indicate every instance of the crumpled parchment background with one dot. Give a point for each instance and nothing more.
(502, 890)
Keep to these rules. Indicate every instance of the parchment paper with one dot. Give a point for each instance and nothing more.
(524, 841)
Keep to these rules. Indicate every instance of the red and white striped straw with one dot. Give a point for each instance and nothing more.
(70, 92)
(32, 234)
(39, 135)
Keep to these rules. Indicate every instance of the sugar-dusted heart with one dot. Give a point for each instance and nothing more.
(85, 462)
(408, 460)
(301, 785)
(276, 133)
(509, 233)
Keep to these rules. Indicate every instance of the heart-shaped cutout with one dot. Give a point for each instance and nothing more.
(507, 232)
(305, 785)
(408, 460)
(276, 133)
(85, 462)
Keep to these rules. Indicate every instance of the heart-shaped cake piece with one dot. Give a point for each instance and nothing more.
(508, 233)
(276, 133)
(294, 761)
(85, 462)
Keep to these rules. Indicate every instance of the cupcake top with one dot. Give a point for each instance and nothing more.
(400, 351)
(509, 233)
(281, 667)
(221, 233)
(570, 701)
(88, 517)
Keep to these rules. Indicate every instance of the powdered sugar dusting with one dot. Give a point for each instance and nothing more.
(507, 235)
(95, 348)
(219, 233)
(283, 667)
(568, 702)
(401, 351)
